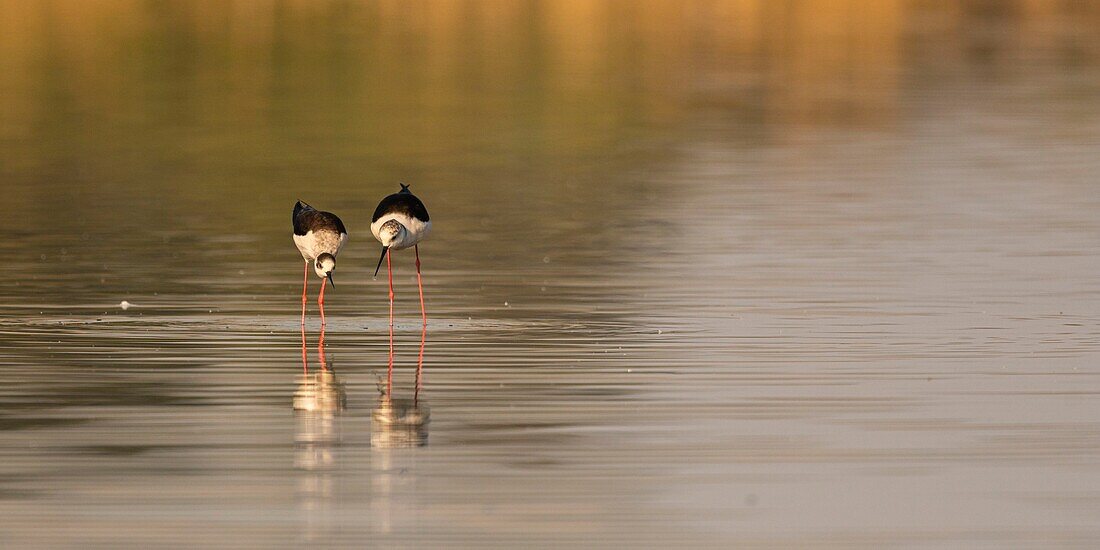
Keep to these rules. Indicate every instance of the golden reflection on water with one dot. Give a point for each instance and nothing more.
(141, 104)
(556, 57)
(575, 75)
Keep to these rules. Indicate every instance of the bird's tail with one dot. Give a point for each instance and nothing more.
(299, 207)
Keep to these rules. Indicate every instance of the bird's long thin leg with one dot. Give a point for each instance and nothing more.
(305, 283)
(389, 375)
(423, 328)
(321, 340)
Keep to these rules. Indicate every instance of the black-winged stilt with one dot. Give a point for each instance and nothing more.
(401, 221)
(319, 236)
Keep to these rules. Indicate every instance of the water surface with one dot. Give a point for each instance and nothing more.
(704, 274)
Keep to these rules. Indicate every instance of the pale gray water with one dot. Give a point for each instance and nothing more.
(730, 274)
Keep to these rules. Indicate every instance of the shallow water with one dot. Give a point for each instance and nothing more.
(735, 273)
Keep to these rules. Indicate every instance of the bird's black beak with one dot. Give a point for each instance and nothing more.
(330, 280)
(380, 258)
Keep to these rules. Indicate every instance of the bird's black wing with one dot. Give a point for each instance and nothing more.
(401, 203)
(299, 207)
(309, 219)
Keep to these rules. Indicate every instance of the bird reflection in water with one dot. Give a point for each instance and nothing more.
(399, 423)
(318, 402)
(321, 392)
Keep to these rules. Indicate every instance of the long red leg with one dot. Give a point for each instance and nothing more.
(321, 340)
(389, 375)
(423, 329)
(305, 283)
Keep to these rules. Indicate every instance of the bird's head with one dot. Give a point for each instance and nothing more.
(390, 233)
(324, 266)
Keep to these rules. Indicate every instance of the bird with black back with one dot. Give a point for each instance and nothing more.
(319, 236)
(401, 221)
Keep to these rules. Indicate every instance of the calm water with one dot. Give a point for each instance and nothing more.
(708, 274)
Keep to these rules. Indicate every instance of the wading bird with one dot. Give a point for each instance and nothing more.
(319, 236)
(401, 221)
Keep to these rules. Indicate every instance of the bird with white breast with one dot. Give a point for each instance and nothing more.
(319, 236)
(401, 221)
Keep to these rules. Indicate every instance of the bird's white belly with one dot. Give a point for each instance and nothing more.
(313, 244)
(415, 230)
